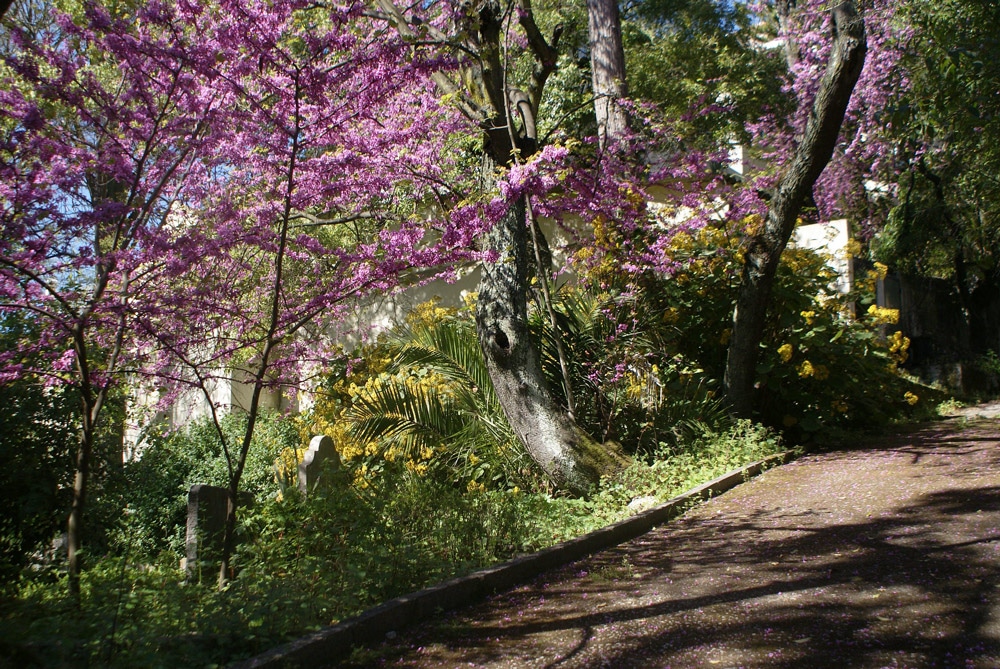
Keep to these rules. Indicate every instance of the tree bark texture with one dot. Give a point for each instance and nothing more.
(570, 457)
(784, 9)
(607, 67)
(812, 155)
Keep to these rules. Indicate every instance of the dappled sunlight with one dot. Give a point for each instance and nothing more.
(863, 558)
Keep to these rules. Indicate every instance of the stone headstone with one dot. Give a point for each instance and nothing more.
(206, 526)
(321, 456)
(640, 504)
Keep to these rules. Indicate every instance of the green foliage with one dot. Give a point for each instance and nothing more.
(628, 385)
(692, 57)
(157, 483)
(306, 563)
(826, 360)
(667, 471)
(36, 468)
(945, 133)
(39, 426)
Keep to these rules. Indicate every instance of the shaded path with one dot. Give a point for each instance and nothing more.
(883, 556)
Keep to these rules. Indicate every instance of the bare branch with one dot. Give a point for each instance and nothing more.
(319, 221)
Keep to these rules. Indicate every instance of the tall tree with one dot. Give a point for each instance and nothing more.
(607, 69)
(811, 155)
(942, 130)
(481, 36)
(97, 137)
(325, 131)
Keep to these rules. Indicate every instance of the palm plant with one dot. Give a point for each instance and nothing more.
(436, 404)
(631, 385)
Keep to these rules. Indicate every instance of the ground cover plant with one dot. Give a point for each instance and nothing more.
(308, 562)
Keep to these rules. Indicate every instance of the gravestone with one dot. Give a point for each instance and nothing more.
(206, 527)
(321, 456)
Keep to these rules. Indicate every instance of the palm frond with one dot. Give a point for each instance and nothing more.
(405, 415)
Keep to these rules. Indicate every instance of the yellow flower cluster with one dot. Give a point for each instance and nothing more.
(605, 236)
(818, 372)
(898, 347)
(418, 468)
(809, 316)
(753, 224)
(286, 465)
(806, 262)
(785, 351)
(910, 398)
(428, 313)
(883, 315)
(635, 386)
(852, 249)
(475, 488)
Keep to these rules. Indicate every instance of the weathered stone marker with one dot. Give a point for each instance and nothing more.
(321, 455)
(206, 526)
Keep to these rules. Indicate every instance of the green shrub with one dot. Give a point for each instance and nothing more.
(159, 480)
(826, 359)
(309, 562)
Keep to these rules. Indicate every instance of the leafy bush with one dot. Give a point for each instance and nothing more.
(158, 481)
(628, 384)
(827, 359)
(39, 425)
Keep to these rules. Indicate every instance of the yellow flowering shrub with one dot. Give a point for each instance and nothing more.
(406, 409)
(824, 356)
(882, 315)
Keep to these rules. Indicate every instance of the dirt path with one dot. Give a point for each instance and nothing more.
(883, 556)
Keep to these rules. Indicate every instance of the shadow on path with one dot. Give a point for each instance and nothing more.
(861, 558)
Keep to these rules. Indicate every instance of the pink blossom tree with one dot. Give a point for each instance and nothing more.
(187, 190)
(331, 132)
(97, 138)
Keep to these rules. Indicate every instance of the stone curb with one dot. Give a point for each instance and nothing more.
(328, 645)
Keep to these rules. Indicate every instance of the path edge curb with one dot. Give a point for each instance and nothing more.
(331, 644)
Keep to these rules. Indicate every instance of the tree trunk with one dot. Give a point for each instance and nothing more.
(607, 67)
(764, 250)
(74, 524)
(784, 9)
(573, 460)
(91, 404)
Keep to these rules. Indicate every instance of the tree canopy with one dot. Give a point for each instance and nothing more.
(193, 188)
